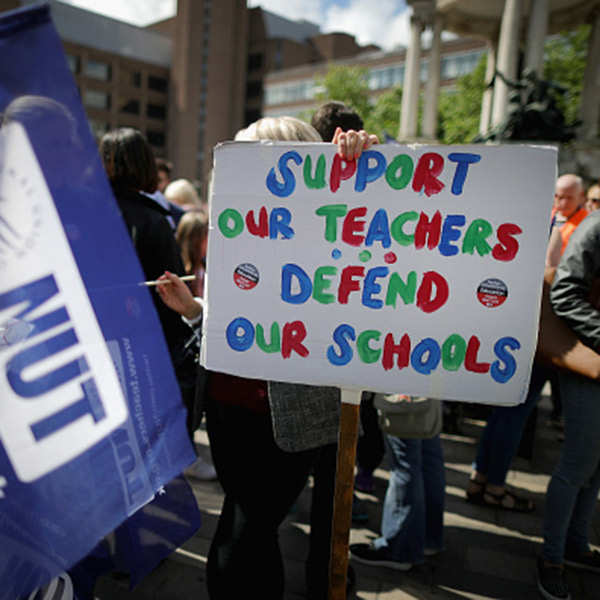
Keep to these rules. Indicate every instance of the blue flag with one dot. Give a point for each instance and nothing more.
(91, 419)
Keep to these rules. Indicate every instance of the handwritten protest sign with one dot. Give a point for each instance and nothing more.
(413, 269)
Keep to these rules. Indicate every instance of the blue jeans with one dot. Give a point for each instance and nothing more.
(502, 434)
(413, 509)
(573, 490)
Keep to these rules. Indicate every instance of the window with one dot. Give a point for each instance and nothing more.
(74, 63)
(96, 99)
(156, 138)
(97, 70)
(131, 107)
(289, 92)
(459, 65)
(255, 62)
(156, 111)
(253, 89)
(136, 79)
(99, 128)
(156, 83)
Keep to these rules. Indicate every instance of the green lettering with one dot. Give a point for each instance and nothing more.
(403, 162)
(366, 353)
(397, 287)
(321, 284)
(475, 238)
(230, 214)
(318, 181)
(275, 344)
(453, 352)
(331, 212)
(396, 229)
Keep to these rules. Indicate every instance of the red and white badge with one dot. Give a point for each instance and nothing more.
(492, 292)
(245, 276)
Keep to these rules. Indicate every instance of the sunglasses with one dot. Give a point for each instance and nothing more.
(597, 200)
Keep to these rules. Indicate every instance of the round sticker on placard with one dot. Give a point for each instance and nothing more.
(245, 276)
(492, 292)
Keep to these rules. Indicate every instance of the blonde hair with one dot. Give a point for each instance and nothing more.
(284, 129)
(191, 232)
(182, 193)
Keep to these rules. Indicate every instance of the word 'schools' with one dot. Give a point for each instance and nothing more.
(411, 269)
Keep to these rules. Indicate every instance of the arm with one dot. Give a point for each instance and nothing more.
(570, 293)
(177, 296)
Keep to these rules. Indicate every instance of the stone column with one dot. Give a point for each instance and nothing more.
(508, 54)
(590, 109)
(432, 94)
(488, 94)
(412, 82)
(536, 35)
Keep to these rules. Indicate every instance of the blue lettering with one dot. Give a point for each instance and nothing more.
(371, 287)
(279, 222)
(463, 160)
(44, 383)
(289, 181)
(429, 349)
(379, 229)
(341, 335)
(240, 341)
(366, 174)
(450, 233)
(499, 373)
(288, 271)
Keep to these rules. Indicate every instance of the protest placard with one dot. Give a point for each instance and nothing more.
(414, 269)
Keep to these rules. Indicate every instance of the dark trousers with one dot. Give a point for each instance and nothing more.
(261, 483)
(370, 449)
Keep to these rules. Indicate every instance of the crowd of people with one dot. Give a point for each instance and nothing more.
(291, 430)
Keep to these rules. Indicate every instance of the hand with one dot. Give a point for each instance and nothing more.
(177, 296)
(352, 143)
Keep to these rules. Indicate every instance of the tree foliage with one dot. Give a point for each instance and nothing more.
(564, 63)
(460, 110)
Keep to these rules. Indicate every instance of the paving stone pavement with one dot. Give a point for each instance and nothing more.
(490, 553)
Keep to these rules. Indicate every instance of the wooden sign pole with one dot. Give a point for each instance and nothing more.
(344, 486)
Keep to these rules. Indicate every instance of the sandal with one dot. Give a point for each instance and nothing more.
(519, 504)
(476, 496)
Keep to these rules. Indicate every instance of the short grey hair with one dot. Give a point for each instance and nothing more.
(284, 129)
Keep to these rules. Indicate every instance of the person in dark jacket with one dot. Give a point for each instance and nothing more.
(573, 489)
(131, 169)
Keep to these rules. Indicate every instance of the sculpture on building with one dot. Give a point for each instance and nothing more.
(533, 113)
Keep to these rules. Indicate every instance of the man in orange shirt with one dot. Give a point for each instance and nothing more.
(567, 213)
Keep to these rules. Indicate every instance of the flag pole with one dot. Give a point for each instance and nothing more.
(344, 486)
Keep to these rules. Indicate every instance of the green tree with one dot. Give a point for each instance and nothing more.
(348, 85)
(564, 64)
(385, 116)
(459, 110)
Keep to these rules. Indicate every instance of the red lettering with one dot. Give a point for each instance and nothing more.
(507, 247)
(348, 284)
(261, 228)
(292, 337)
(337, 173)
(471, 363)
(428, 230)
(352, 225)
(402, 350)
(430, 165)
(425, 300)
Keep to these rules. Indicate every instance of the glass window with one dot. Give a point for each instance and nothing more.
(99, 128)
(131, 107)
(255, 61)
(156, 111)
(74, 63)
(97, 70)
(96, 99)
(136, 79)
(156, 138)
(158, 84)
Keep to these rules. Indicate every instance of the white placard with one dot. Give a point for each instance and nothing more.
(414, 269)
